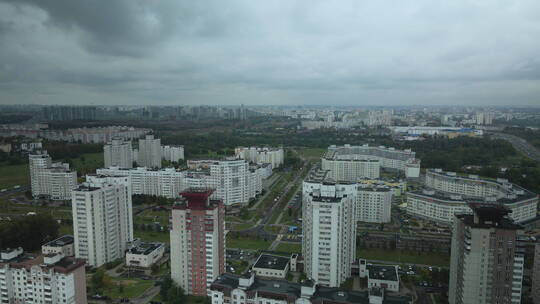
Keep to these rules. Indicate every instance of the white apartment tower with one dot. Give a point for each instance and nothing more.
(329, 231)
(41, 279)
(487, 260)
(536, 274)
(118, 153)
(172, 153)
(231, 179)
(52, 180)
(102, 219)
(149, 154)
(197, 241)
(374, 204)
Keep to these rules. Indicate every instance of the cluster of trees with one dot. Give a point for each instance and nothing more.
(150, 227)
(140, 199)
(12, 159)
(65, 150)
(28, 232)
(7, 118)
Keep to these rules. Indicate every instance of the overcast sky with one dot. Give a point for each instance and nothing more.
(270, 52)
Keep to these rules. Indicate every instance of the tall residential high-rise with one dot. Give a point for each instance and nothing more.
(172, 153)
(329, 231)
(487, 260)
(118, 153)
(197, 241)
(374, 204)
(38, 279)
(102, 218)
(52, 180)
(149, 154)
(536, 274)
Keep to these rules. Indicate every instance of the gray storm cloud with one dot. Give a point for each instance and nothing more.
(269, 52)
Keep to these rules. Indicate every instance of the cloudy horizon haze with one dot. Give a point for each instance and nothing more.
(176, 52)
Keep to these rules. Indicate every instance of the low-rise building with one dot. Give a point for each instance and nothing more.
(380, 276)
(37, 279)
(64, 244)
(145, 255)
(229, 288)
(271, 266)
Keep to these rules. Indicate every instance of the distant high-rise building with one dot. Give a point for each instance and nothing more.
(60, 113)
(374, 204)
(102, 219)
(487, 260)
(536, 274)
(274, 156)
(149, 152)
(329, 231)
(118, 153)
(197, 241)
(51, 180)
(172, 153)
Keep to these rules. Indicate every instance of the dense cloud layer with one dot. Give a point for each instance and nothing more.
(270, 52)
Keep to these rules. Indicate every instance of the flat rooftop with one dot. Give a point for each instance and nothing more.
(145, 248)
(275, 262)
(382, 272)
(61, 241)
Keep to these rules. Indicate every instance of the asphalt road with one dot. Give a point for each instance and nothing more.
(519, 144)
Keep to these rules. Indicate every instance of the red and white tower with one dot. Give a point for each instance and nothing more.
(197, 241)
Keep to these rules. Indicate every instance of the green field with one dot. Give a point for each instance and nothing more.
(151, 236)
(247, 243)
(149, 217)
(88, 163)
(312, 152)
(132, 288)
(397, 256)
(14, 175)
(289, 247)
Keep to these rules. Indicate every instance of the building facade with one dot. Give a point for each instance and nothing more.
(487, 257)
(374, 204)
(144, 255)
(197, 241)
(102, 219)
(149, 154)
(50, 180)
(49, 279)
(172, 153)
(387, 158)
(448, 193)
(118, 153)
(234, 181)
(64, 245)
(329, 232)
(261, 155)
(535, 288)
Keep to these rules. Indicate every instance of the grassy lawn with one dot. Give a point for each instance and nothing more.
(8, 207)
(151, 236)
(14, 175)
(149, 217)
(404, 256)
(312, 152)
(132, 288)
(247, 243)
(288, 247)
(88, 162)
(272, 229)
(242, 226)
(65, 229)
